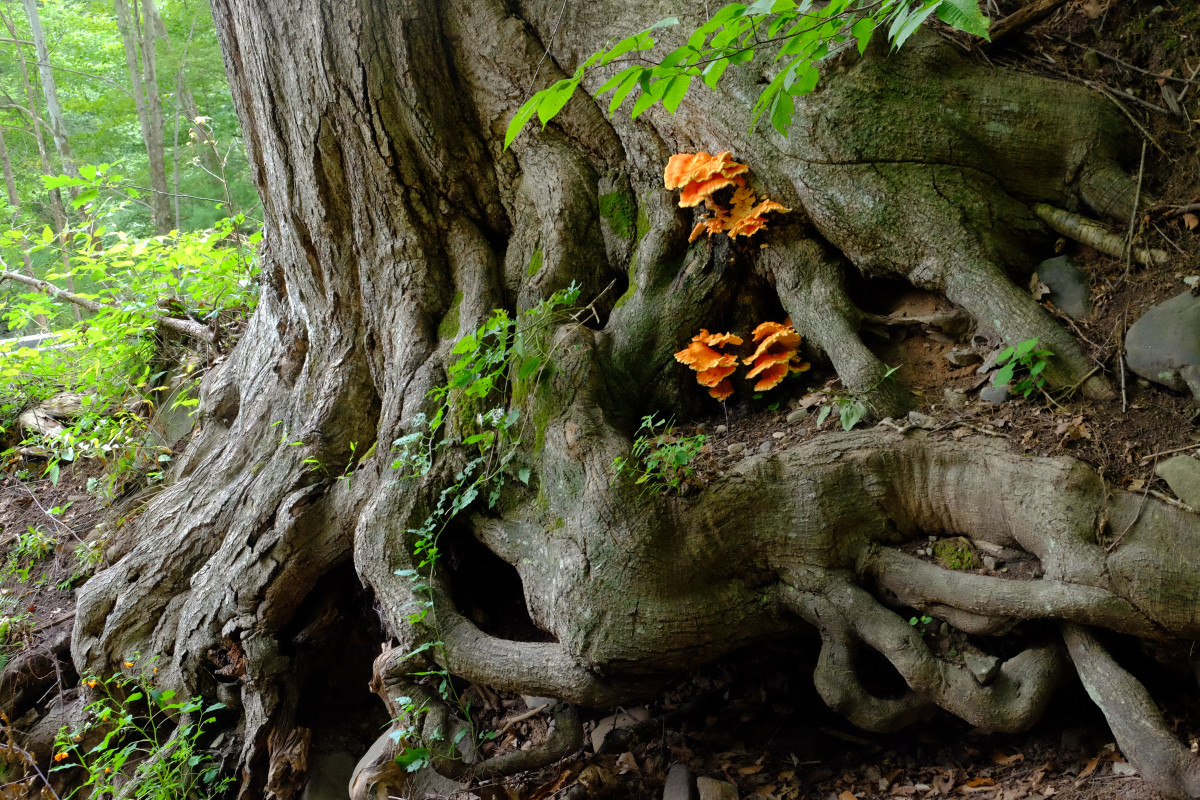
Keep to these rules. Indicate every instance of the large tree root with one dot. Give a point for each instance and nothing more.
(1136, 722)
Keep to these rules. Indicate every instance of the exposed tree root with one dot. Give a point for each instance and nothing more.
(1082, 229)
(1134, 717)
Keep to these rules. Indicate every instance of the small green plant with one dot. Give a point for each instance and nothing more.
(1024, 360)
(660, 460)
(14, 632)
(31, 547)
(853, 407)
(920, 623)
(957, 554)
(146, 747)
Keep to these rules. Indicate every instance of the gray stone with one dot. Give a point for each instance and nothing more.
(721, 429)
(1182, 474)
(954, 399)
(764, 448)
(1165, 342)
(778, 435)
(983, 669)
(532, 702)
(989, 563)
(713, 789)
(1069, 286)
(921, 420)
(961, 357)
(797, 415)
(736, 448)
(995, 394)
(680, 785)
(625, 719)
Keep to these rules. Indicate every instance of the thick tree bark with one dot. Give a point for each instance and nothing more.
(395, 222)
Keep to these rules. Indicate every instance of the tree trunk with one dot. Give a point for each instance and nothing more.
(141, 63)
(14, 200)
(58, 128)
(395, 223)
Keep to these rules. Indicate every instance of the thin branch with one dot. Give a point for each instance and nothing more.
(185, 326)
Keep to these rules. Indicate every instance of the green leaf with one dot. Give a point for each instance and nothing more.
(86, 196)
(528, 366)
(624, 89)
(47, 235)
(650, 96)
(862, 31)
(618, 79)
(964, 15)
(555, 98)
(911, 25)
(1004, 375)
(675, 92)
(523, 476)
(523, 115)
(713, 72)
(781, 112)
(413, 758)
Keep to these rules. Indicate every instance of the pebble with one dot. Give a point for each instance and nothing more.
(989, 563)
(721, 429)
(944, 629)
(713, 789)
(1163, 346)
(960, 357)
(679, 784)
(921, 420)
(778, 435)
(1182, 474)
(954, 399)
(797, 415)
(764, 448)
(1069, 286)
(982, 668)
(736, 448)
(995, 394)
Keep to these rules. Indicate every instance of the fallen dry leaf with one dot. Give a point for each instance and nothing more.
(999, 758)
(1191, 221)
(847, 795)
(977, 782)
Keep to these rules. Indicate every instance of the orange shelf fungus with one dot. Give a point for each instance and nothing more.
(700, 175)
(712, 367)
(776, 355)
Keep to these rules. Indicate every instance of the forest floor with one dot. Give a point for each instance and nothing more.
(754, 719)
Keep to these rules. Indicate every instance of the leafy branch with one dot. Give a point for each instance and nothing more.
(732, 37)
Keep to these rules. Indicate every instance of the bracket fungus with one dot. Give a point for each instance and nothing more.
(700, 175)
(712, 366)
(777, 355)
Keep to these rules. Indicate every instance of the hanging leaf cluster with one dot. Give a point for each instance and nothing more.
(804, 33)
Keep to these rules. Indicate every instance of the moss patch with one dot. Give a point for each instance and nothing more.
(617, 208)
(623, 299)
(535, 262)
(449, 325)
(957, 553)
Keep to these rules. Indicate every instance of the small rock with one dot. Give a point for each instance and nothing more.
(921, 420)
(625, 719)
(982, 668)
(532, 702)
(679, 784)
(764, 448)
(1069, 286)
(1182, 474)
(943, 338)
(1165, 341)
(1124, 769)
(736, 448)
(961, 357)
(721, 429)
(1091, 60)
(797, 415)
(713, 789)
(778, 435)
(954, 399)
(989, 563)
(944, 629)
(995, 394)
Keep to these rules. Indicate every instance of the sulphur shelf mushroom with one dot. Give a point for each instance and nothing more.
(712, 366)
(776, 355)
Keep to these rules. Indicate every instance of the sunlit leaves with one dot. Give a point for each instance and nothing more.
(733, 36)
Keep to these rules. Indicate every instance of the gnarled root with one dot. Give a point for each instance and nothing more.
(1012, 701)
(1136, 722)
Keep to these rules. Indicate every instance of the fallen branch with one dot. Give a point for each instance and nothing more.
(185, 326)
(1021, 19)
(1094, 234)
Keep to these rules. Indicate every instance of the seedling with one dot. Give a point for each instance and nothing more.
(1024, 359)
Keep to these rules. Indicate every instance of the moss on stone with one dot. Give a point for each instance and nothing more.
(535, 262)
(449, 325)
(957, 553)
(623, 299)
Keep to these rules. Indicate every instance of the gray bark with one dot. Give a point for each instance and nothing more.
(395, 222)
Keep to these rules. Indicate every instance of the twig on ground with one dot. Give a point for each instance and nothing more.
(1113, 544)
(1070, 390)
(1195, 446)
(1116, 60)
(1183, 92)
(1124, 401)
(1131, 234)
(1104, 91)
